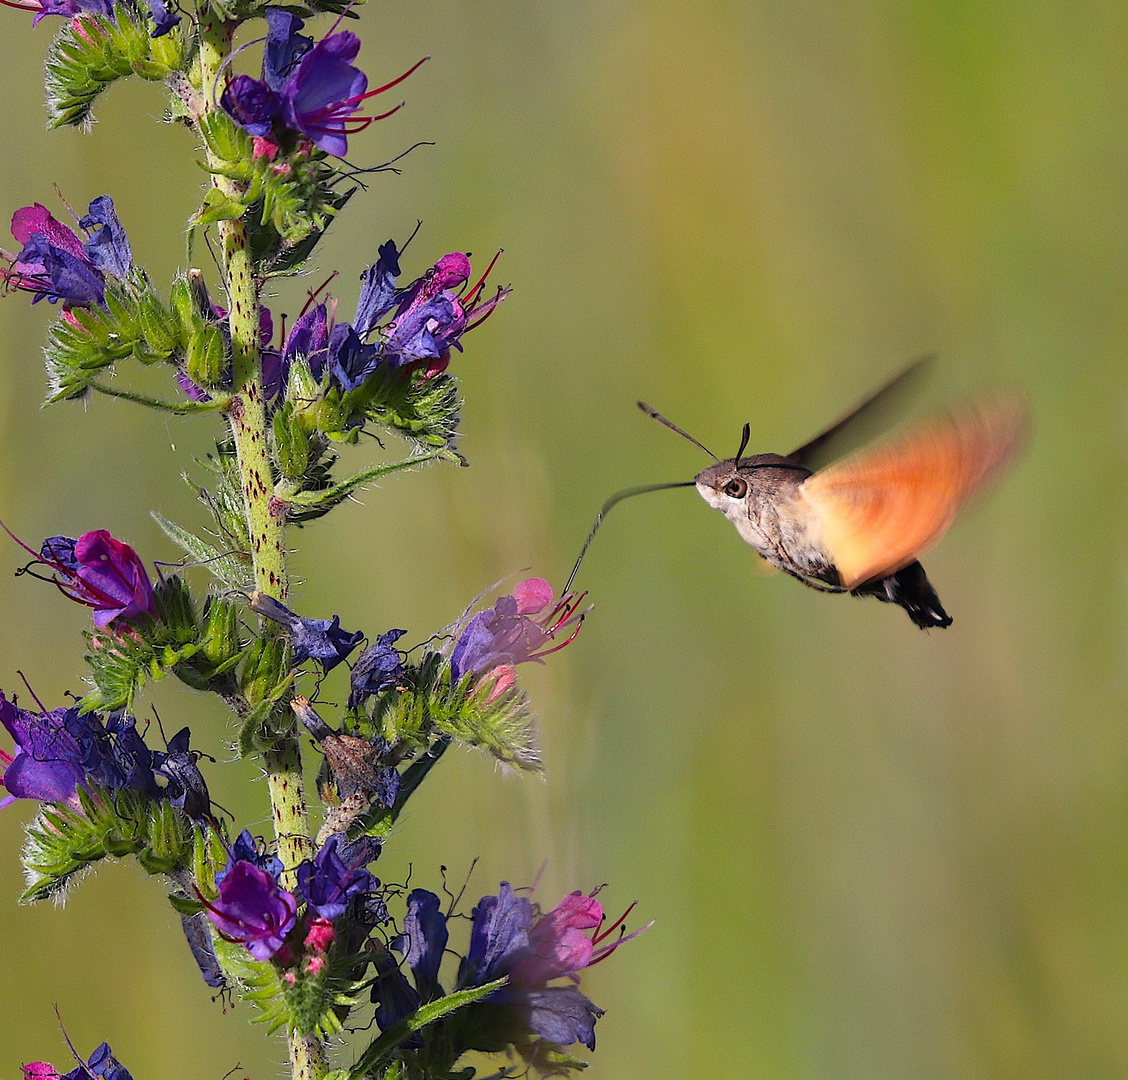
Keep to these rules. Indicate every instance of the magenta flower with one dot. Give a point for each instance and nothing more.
(252, 908)
(56, 263)
(516, 630)
(100, 572)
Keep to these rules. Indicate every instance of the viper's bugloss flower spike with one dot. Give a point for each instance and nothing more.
(322, 640)
(379, 667)
(56, 263)
(328, 881)
(252, 909)
(99, 572)
(524, 627)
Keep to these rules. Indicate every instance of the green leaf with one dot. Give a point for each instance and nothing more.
(382, 1048)
(308, 505)
(233, 568)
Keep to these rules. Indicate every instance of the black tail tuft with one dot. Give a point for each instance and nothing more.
(910, 589)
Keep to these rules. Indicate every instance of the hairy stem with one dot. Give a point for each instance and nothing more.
(246, 414)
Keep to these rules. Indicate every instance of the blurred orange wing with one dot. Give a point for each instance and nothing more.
(877, 510)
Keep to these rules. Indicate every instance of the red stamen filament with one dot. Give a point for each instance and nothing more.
(349, 104)
(469, 299)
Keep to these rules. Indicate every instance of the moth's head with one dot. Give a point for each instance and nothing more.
(727, 485)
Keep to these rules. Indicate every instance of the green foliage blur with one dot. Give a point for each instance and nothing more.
(871, 851)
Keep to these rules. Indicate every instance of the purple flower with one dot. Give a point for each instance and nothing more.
(114, 755)
(100, 572)
(55, 263)
(252, 104)
(244, 849)
(500, 930)
(431, 317)
(313, 90)
(350, 361)
(506, 939)
(102, 1064)
(284, 47)
(252, 908)
(163, 19)
(423, 941)
(66, 8)
(322, 640)
(185, 785)
(47, 764)
(378, 668)
(377, 290)
(494, 641)
(308, 338)
(393, 996)
(329, 881)
(322, 95)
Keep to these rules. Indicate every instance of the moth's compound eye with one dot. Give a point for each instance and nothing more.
(736, 488)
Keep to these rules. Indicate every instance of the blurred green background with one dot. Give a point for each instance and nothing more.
(870, 851)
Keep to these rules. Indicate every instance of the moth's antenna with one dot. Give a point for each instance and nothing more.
(744, 437)
(655, 415)
(618, 497)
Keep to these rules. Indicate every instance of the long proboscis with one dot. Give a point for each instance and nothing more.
(618, 497)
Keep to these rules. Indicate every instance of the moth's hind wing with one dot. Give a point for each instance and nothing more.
(877, 510)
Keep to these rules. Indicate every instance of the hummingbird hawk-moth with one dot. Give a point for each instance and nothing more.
(858, 524)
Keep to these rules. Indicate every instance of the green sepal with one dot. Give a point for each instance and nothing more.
(310, 1005)
(266, 671)
(283, 207)
(381, 1049)
(292, 444)
(118, 665)
(103, 336)
(434, 705)
(90, 53)
(62, 841)
(169, 844)
(219, 207)
(266, 681)
(176, 612)
(122, 657)
(206, 359)
(422, 410)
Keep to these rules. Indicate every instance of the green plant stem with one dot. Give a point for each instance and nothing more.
(246, 414)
